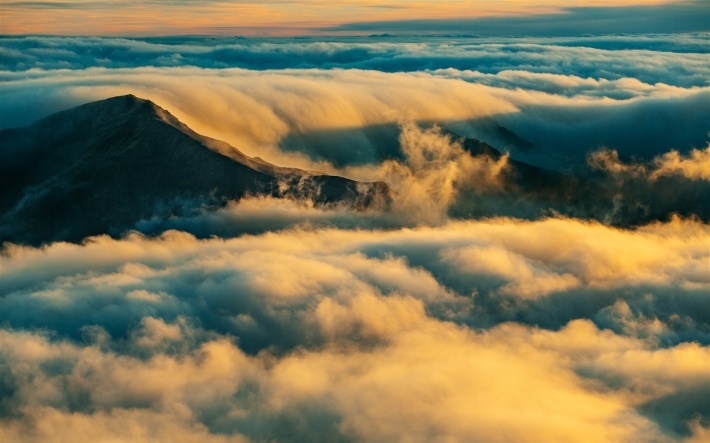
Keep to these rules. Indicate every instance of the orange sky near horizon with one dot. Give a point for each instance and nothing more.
(250, 17)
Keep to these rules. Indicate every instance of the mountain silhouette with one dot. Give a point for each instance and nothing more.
(103, 166)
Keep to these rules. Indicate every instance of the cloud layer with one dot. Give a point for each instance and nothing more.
(677, 60)
(361, 335)
(274, 320)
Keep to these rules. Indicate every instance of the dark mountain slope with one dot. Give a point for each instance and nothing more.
(100, 167)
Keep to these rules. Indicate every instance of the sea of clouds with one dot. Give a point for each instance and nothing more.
(274, 320)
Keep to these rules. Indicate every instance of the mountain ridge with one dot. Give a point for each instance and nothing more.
(102, 166)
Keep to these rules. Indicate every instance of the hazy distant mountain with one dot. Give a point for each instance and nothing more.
(101, 167)
(629, 199)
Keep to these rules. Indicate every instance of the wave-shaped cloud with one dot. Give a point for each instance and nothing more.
(375, 126)
(256, 110)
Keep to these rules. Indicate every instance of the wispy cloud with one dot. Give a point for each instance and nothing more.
(566, 21)
(352, 16)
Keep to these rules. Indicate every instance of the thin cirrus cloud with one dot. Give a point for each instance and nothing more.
(675, 17)
(315, 16)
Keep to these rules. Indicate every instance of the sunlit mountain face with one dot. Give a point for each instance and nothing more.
(450, 227)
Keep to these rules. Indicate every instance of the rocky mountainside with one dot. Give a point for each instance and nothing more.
(103, 166)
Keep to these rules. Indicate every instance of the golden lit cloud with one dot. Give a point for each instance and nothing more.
(351, 342)
(251, 17)
(475, 307)
(694, 166)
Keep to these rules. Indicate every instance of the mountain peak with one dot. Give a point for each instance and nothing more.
(103, 166)
(128, 102)
(113, 110)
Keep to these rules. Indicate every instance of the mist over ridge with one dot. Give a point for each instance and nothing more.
(101, 167)
(124, 163)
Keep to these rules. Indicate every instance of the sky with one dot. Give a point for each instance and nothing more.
(477, 307)
(348, 17)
